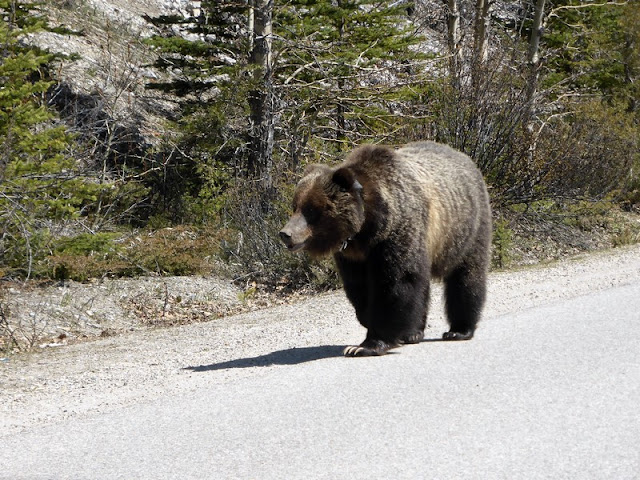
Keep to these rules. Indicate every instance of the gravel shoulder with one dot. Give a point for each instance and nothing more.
(88, 378)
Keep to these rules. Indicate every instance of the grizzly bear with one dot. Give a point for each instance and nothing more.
(394, 219)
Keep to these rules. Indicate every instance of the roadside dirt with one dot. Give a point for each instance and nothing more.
(52, 384)
(36, 317)
(48, 317)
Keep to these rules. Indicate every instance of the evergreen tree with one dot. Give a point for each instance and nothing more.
(587, 44)
(346, 69)
(343, 72)
(38, 182)
(200, 52)
(206, 62)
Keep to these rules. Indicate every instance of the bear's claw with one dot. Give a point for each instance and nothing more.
(358, 351)
(369, 348)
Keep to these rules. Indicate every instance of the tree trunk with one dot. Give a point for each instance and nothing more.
(533, 63)
(453, 40)
(536, 33)
(630, 75)
(341, 124)
(261, 100)
(533, 57)
(481, 30)
(480, 45)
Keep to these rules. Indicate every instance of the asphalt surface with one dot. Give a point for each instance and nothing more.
(551, 392)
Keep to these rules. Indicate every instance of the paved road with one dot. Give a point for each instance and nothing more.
(549, 392)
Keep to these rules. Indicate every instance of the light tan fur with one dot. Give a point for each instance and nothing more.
(427, 183)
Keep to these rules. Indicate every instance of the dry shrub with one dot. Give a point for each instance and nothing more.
(257, 253)
(589, 152)
(484, 116)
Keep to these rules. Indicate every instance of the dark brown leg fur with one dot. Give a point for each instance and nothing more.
(465, 291)
(389, 296)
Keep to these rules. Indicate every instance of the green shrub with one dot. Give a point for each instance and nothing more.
(85, 267)
(182, 250)
(502, 243)
(87, 244)
(82, 257)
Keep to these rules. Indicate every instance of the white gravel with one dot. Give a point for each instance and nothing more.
(93, 377)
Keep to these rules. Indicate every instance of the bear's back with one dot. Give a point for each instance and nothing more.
(417, 161)
(430, 191)
(439, 161)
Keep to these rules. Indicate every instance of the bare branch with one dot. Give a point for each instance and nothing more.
(586, 5)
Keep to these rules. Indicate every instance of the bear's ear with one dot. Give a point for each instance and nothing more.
(346, 180)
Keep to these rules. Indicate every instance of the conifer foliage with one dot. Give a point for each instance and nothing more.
(38, 181)
(346, 66)
(331, 75)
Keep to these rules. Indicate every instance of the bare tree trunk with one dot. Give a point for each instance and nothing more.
(481, 29)
(341, 124)
(536, 33)
(453, 40)
(630, 75)
(261, 100)
(533, 62)
(480, 44)
(533, 57)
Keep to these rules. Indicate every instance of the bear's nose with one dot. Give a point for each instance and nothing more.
(285, 237)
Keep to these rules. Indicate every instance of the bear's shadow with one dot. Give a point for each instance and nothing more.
(290, 356)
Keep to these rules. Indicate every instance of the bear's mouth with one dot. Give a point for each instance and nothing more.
(296, 247)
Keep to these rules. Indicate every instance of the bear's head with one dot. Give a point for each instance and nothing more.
(328, 210)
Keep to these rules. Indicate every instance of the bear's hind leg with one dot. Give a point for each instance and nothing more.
(465, 292)
(410, 338)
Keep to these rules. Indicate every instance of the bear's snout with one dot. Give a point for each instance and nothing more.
(295, 233)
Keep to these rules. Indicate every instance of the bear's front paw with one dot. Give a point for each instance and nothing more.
(368, 348)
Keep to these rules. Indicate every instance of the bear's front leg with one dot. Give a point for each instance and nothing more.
(396, 314)
(356, 279)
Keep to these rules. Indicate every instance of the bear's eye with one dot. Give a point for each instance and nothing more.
(311, 213)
